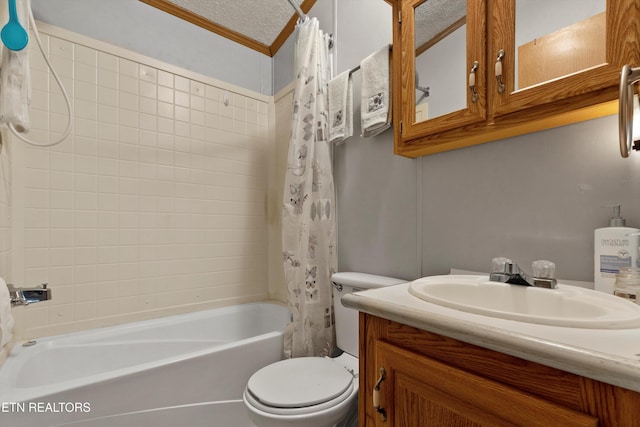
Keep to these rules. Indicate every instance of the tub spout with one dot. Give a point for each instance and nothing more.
(26, 296)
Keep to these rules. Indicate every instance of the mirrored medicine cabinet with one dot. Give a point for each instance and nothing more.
(472, 71)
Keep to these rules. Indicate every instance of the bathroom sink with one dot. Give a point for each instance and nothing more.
(568, 306)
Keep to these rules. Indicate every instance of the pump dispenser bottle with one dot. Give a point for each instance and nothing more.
(615, 247)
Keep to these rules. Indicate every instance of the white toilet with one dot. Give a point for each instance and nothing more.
(315, 391)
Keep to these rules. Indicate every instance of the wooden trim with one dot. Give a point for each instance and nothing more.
(506, 127)
(228, 33)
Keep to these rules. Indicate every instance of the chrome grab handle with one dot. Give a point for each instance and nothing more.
(628, 77)
(472, 81)
(501, 85)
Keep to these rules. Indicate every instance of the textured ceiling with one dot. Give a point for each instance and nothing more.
(435, 16)
(265, 24)
(259, 20)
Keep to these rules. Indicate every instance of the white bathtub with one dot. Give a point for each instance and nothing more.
(191, 367)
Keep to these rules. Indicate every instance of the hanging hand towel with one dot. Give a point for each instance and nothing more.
(15, 80)
(341, 108)
(376, 94)
(6, 319)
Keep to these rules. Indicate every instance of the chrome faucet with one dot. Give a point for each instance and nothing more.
(507, 271)
(26, 296)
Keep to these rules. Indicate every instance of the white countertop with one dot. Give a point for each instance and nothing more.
(608, 355)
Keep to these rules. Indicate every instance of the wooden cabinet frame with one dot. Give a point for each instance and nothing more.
(409, 352)
(577, 97)
(420, 391)
(476, 51)
(621, 48)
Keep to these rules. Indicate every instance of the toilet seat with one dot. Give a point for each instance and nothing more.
(299, 386)
(274, 410)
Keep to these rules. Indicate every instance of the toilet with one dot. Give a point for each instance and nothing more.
(315, 391)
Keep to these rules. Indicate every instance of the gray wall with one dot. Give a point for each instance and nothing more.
(537, 196)
(378, 227)
(144, 29)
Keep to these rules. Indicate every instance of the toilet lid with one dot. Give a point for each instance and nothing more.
(304, 381)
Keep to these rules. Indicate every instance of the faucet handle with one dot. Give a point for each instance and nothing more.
(501, 265)
(543, 272)
(543, 269)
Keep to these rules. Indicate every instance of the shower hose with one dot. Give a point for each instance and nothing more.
(67, 131)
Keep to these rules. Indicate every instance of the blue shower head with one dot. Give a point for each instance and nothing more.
(13, 35)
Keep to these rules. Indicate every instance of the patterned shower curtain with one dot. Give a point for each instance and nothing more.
(308, 214)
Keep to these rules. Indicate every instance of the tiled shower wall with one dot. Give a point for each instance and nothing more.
(283, 112)
(155, 205)
(5, 210)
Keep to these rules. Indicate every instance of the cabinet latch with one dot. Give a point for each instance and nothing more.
(472, 82)
(499, 59)
(376, 396)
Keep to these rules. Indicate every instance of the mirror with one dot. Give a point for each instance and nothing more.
(440, 58)
(557, 38)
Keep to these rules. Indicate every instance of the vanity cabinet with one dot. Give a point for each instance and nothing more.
(512, 79)
(432, 380)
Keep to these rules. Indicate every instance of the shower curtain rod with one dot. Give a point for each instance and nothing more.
(302, 16)
(298, 10)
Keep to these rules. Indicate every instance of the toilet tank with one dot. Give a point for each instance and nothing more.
(347, 318)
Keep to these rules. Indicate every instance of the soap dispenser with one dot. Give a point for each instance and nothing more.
(615, 247)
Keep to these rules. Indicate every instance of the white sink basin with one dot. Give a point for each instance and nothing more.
(568, 306)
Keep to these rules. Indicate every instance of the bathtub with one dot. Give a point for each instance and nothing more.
(190, 368)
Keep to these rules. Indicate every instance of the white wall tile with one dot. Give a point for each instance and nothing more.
(107, 61)
(85, 55)
(148, 74)
(154, 202)
(165, 94)
(182, 83)
(85, 73)
(128, 84)
(165, 78)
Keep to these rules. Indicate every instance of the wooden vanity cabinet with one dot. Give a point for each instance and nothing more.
(568, 97)
(432, 380)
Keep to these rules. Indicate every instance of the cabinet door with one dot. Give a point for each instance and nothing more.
(439, 60)
(552, 52)
(419, 391)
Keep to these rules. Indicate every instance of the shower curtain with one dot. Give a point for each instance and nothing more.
(308, 214)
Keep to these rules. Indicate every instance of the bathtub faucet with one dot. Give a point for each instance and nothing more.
(26, 296)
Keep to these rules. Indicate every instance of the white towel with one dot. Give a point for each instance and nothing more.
(340, 107)
(376, 95)
(6, 319)
(15, 79)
